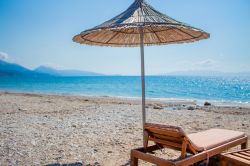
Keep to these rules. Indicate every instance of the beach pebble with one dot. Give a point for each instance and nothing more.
(190, 108)
(157, 107)
(60, 151)
(20, 109)
(207, 104)
(33, 142)
(95, 164)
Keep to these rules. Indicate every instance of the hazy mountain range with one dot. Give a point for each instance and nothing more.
(66, 73)
(207, 73)
(11, 69)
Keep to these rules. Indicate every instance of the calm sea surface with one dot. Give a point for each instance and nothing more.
(164, 87)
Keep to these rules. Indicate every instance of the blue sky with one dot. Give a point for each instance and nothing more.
(39, 32)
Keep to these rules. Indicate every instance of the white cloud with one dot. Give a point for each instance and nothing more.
(4, 56)
(205, 63)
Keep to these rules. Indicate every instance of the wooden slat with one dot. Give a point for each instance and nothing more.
(167, 143)
(169, 138)
(150, 148)
(236, 151)
(150, 158)
(226, 160)
(174, 145)
(164, 132)
(244, 153)
(241, 156)
(238, 159)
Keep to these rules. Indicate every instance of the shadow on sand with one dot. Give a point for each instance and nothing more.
(71, 164)
(81, 164)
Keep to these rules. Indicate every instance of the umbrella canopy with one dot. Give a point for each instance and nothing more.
(140, 24)
(123, 30)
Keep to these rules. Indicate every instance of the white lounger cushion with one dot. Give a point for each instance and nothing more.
(212, 138)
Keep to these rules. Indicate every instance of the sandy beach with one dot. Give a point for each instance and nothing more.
(46, 129)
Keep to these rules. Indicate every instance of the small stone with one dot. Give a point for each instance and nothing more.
(207, 104)
(60, 151)
(109, 151)
(96, 164)
(33, 142)
(58, 158)
(74, 125)
(20, 109)
(190, 108)
(158, 107)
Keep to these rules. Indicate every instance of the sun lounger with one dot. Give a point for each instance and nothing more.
(200, 146)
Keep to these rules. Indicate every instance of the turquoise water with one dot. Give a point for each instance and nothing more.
(170, 87)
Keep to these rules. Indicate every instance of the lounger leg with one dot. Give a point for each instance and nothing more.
(244, 145)
(183, 149)
(145, 143)
(134, 160)
(223, 163)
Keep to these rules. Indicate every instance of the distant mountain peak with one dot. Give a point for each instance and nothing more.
(44, 67)
(11, 69)
(47, 70)
(56, 72)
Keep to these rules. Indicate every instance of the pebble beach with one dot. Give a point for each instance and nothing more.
(38, 129)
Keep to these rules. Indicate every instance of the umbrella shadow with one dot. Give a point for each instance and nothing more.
(75, 164)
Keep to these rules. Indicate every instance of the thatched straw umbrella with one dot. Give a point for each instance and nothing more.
(140, 25)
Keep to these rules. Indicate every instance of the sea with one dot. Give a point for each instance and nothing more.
(220, 90)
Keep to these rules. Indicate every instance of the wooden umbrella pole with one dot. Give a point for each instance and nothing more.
(142, 77)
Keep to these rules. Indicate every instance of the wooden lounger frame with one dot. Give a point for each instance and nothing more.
(176, 139)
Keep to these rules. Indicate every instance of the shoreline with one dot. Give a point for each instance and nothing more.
(199, 102)
(95, 130)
